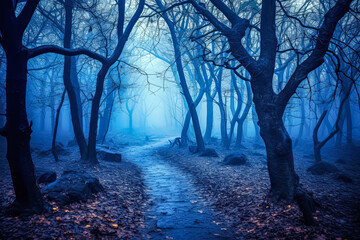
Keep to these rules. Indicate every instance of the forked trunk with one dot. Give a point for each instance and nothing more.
(283, 178)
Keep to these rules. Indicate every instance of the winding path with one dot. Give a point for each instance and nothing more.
(177, 211)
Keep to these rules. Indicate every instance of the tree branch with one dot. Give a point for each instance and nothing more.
(26, 14)
(126, 34)
(211, 18)
(337, 126)
(268, 41)
(34, 52)
(233, 18)
(46, 14)
(295, 18)
(316, 58)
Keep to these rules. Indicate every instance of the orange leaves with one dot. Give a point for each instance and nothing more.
(115, 225)
(87, 226)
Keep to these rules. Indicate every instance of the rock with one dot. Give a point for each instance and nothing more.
(45, 176)
(193, 149)
(109, 156)
(344, 177)
(209, 152)
(341, 161)
(321, 168)
(235, 159)
(71, 187)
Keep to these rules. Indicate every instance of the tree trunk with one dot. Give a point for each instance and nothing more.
(74, 105)
(43, 104)
(17, 132)
(242, 119)
(222, 108)
(302, 123)
(91, 155)
(75, 83)
(52, 106)
(348, 122)
(256, 126)
(283, 178)
(184, 86)
(131, 121)
(184, 131)
(209, 116)
(105, 118)
(2, 110)
(53, 148)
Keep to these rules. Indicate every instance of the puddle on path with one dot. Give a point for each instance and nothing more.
(177, 211)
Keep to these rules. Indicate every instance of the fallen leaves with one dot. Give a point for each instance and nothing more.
(118, 212)
(239, 195)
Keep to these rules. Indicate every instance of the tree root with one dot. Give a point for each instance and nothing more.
(306, 204)
(16, 209)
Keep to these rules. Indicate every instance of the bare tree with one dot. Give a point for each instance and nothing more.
(269, 105)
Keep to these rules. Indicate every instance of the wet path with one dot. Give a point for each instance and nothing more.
(177, 211)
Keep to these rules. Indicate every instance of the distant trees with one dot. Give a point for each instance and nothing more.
(319, 144)
(183, 84)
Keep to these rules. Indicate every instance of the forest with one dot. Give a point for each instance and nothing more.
(180, 119)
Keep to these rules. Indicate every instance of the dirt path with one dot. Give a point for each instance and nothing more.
(177, 211)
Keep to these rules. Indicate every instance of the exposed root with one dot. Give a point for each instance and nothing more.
(306, 204)
(16, 209)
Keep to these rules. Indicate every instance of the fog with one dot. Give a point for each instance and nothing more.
(271, 85)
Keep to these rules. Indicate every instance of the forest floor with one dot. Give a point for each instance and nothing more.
(238, 194)
(115, 213)
(160, 192)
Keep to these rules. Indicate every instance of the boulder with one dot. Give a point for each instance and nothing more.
(45, 176)
(109, 156)
(209, 152)
(235, 159)
(321, 168)
(344, 177)
(71, 187)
